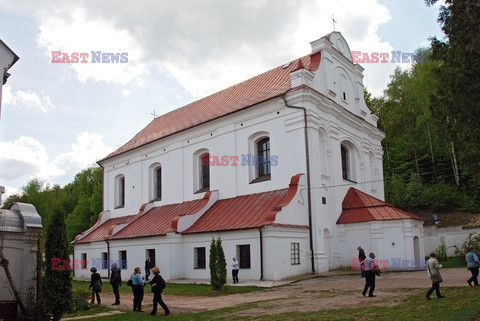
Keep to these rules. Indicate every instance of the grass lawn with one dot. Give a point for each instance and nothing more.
(453, 262)
(174, 289)
(461, 303)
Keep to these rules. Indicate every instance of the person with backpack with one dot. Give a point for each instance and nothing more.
(158, 285)
(95, 285)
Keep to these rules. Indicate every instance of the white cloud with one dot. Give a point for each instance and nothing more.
(26, 158)
(9, 191)
(126, 93)
(26, 99)
(86, 150)
(72, 31)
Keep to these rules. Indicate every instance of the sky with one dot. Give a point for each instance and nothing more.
(60, 118)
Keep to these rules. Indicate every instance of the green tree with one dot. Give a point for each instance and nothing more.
(222, 263)
(57, 283)
(456, 102)
(218, 266)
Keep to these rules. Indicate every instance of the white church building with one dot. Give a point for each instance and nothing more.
(285, 167)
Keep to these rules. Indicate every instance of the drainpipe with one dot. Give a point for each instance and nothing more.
(108, 259)
(261, 253)
(307, 161)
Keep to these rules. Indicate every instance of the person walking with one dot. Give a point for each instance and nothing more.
(95, 285)
(158, 284)
(472, 264)
(361, 258)
(433, 269)
(137, 289)
(235, 268)
(371, 270)
(148, 266)
(116, 282)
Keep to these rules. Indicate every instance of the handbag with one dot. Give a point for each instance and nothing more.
(129, 282)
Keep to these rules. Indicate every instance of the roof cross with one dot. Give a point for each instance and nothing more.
(154, 114)
(333, 21)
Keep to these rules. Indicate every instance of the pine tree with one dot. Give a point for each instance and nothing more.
(57, 283)
(218, 265)
(222, 264)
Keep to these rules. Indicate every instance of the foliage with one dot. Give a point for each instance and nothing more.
(81, 200)
(218, 265)
(57, 284)
(80, 300)
(456, 101)
(441, 252)
(471, 240)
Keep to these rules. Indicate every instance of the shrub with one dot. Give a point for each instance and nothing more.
(471, 240)
(441, 252)
(80, 300)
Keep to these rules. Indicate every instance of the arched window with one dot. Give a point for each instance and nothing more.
(345, 163)
(157, 183)
(205, 171)
(119, 191)
(263, 157)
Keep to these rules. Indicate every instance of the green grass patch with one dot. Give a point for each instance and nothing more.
(94, 309)
(175, 289)
(453, 262)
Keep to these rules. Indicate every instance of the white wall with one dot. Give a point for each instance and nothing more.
(450, 236)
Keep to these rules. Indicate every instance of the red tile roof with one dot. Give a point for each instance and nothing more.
(241, 212)
(245, 212)
(265, 86)
(160, 220)
(104, 230)
(361, 207)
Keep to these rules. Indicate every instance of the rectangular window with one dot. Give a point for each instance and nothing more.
(344, 153)
(151, 254)
(243, 253)
(83, 262)
(158, 181)
(122, 191)
(122, 258)
(205, 170)
(295, 253)
(105, 260)
(263, 159)
(199, 258)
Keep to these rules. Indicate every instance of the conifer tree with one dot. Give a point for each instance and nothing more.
(222, 264)
(217, 264)
(57, 283)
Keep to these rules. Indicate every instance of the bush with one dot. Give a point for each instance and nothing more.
(441, 252)
(472, 240)
(81, 300)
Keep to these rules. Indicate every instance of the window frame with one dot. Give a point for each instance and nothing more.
(122, 260)
(104, 260)
(295, 253)
(119, 191)
(199, 258)
(244, 256)
(83, 261)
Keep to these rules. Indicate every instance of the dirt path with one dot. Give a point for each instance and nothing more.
(308, 295)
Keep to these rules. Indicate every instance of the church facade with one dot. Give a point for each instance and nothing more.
(286, 168)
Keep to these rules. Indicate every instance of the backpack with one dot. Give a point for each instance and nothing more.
(162, 284)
